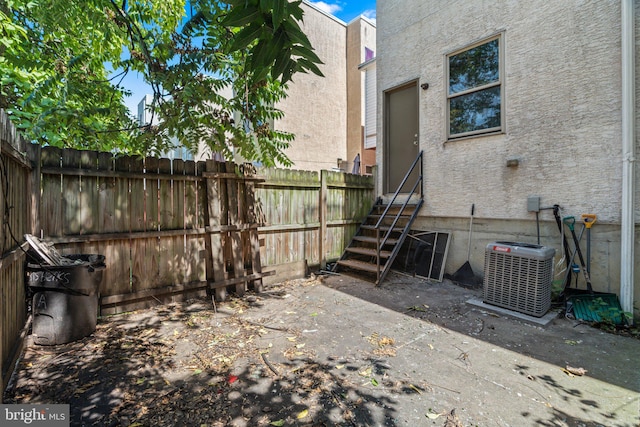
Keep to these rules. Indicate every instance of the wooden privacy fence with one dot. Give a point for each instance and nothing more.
(310, 217)
(16, 203)
(169, 229)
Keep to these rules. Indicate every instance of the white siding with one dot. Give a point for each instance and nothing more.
(370, 108)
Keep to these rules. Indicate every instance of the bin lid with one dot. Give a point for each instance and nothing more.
(47, 253)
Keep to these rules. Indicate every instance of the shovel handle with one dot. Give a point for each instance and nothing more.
(589, 219)
(569, 221)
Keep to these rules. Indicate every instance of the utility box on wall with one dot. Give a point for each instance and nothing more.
(518, 276)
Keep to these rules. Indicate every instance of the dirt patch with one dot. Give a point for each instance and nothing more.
(336, 351)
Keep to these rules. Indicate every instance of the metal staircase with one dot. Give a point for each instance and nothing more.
(378, 240)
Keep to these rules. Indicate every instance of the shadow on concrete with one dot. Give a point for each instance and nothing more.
(234, 365)
(606, 357)
(189, 365)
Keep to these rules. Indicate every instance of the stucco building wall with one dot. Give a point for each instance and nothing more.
(562, 107)
(562, 103)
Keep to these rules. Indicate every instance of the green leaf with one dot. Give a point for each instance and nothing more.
(283, 62)
(267, 5)
(246, 36)
(278, 44)
(306, 53)
(259, 55)
(310, 66)
(240, 16)
(295, 34)
(294, 9)
(278, 423)
(242, 3)
(279, 13)
(197, 20)
(288, 73)
(260, 75)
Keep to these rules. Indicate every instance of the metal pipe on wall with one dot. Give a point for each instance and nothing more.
(627, 227)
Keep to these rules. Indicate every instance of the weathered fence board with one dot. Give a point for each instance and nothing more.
(16, 202)
(235, 236)
(153, 208)
(71, 194)
(215, 244)
(116, 277)
(106, 200)
(51, 200)
(88, 161)
(14, 310)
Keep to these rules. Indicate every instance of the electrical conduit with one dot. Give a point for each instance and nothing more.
(627, 227)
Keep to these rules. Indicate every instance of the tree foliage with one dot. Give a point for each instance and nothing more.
(62, 64)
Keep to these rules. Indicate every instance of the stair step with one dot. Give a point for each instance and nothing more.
(382, 228)
(390, 214)
(394, 217)
(397, 205)
(373, 240)
(360, 265)
(408, 210)
(368, 251)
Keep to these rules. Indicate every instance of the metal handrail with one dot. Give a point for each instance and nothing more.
(404, 181)
(382, 238)
(418, 184)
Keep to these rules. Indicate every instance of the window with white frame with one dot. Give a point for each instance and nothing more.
(475, 89)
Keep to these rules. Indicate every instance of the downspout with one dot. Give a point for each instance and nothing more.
(627, 225)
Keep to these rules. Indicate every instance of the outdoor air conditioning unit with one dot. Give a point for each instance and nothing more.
(518, 276)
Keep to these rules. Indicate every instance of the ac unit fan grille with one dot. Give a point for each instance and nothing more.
(518, 283)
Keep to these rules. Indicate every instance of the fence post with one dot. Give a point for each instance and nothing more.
(323, 220)
(33, 151)
(235, 230)
(213, 241)
(253, 220)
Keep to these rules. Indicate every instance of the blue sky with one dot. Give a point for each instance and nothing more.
(346, 10)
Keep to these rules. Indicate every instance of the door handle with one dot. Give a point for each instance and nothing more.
(415, 140)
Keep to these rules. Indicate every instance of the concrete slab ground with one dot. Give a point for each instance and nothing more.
(494, 368)
(338, 351)
(544, 320)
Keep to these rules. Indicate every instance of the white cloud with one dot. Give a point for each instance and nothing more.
(331, 8)
(370, 14)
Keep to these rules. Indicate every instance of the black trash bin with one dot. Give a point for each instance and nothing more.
(65, 298)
